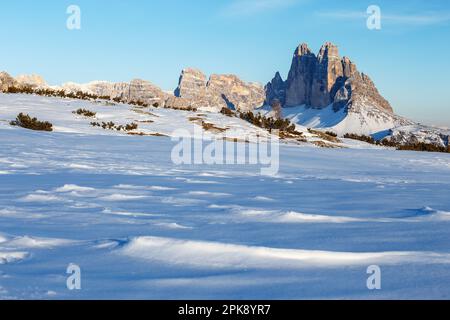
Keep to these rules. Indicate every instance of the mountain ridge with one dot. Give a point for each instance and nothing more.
(323, 91)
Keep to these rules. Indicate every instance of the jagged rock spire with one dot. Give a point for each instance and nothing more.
(276, 90)
(328, 51)
(322, 80)
(302, 50)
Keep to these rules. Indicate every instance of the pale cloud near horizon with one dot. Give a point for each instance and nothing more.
(252, 7)
(422, 19)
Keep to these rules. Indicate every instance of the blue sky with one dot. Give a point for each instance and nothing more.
(120, 40)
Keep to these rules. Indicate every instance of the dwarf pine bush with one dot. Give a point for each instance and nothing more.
(27, 122)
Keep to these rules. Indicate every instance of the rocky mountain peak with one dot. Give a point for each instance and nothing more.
(349, 67)
(323, 80)
(276, 90)
(277, 77)
(303, 50)
(328, 51)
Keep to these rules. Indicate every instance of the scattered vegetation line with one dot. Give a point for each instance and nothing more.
(228, 112)
(189, 108)
(85, 112)
(421, 146)
(25, 121)
(268, 123)
(48, 92)
(363, 138)
(417, 146)
(56, 93)
(112, 126)
(283, 125)
(328, 136)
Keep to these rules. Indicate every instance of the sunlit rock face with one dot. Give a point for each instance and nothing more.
(219, 91)
(325, 79)
(6, 82)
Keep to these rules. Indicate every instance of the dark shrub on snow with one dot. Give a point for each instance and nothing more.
(25, 121)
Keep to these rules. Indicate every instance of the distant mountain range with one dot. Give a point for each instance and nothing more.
(323, 91)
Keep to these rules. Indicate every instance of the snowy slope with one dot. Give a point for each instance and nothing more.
(421, 133)
(141, 227)
(310, 117)
(150, 120)
(364, 121)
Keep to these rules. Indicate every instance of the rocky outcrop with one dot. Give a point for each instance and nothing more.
(418, 134)
(33, 81)
(276, 90)
(192, 84)
(219, 91)
(300, 78)
(361, 92)
(236, 93)
(6, 82)
(323, 80)
(134, 91)
(144, 91)
(173, 102)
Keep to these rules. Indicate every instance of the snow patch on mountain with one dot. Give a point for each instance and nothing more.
(364, 121)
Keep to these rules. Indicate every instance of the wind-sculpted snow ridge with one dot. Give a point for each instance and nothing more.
(202, 254)
(27, 242)
(291, 217)
(12, 257)
(267, 216)
(9, 245)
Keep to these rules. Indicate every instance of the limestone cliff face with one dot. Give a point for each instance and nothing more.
(300, 79)
(192, 84)
(362, 92)
(325, 79)
(328, 70)
(20, 82)
(31, 81)
(137, 90)
(141, 90)
(6, 82)
(194, 91)
(219, 91)
(276, 90)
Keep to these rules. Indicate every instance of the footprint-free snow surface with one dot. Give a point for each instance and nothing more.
(140, 227)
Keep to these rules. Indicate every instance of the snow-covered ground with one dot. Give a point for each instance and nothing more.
(141, 227)
(151, 120)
